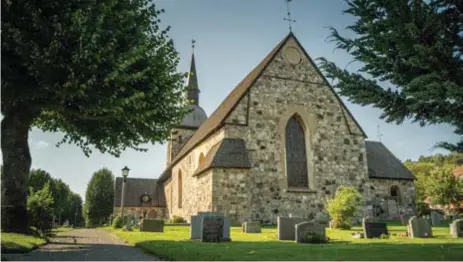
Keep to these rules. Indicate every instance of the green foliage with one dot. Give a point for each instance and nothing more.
(443, 187)
(314, 238)
(117, 222)
(384, 236)
(40, 208)
(416, 47)
(422, 209)
(343, 206)
(99, 197)
(177, 219)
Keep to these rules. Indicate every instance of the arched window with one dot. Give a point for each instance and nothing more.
(395, 193)
(296, 155)
(201, 160)
(180, 187)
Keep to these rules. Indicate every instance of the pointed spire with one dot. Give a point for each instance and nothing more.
(192, 87)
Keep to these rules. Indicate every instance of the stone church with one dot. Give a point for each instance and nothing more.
(280, 143)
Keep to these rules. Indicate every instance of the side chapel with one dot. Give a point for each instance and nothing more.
(280, 143)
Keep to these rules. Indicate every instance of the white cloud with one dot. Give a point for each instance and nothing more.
(41, 144)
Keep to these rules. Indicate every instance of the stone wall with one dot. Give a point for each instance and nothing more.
(380, 189)
(151, 212)
(335, 146)
(196, 190)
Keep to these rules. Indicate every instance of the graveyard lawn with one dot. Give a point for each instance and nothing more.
(174, 244)
(20, 243)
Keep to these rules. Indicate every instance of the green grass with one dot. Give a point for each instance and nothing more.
(19, 243)
(173, 244)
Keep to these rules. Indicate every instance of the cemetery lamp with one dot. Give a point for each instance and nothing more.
(125, 174)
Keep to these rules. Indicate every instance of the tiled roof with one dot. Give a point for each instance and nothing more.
(228, 153)
(135, 188)
(383, 164)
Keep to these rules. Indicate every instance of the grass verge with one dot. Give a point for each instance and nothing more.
(174, 244)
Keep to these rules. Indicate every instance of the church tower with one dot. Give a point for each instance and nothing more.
(193, 120)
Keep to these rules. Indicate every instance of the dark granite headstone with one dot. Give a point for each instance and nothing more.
(212, 229)
(456, 228)
(304, 228)
(374, 229)
(419, 227)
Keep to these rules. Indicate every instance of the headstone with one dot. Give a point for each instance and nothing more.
(419, 227)
(212, 228)
(456, 228)
(304, 228)
(286, 227)
(437, 219)
(404, 218)
(195, 225)
(374, 229)
(358, 235)
(152, 225)
(251, 227)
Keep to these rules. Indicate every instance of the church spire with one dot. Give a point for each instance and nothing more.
(192, 88)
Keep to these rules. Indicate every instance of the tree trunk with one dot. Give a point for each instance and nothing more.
(16, 165)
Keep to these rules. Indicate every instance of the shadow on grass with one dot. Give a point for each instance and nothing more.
(288, 250)
(83, 252)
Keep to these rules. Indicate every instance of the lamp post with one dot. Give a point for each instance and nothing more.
(125, 174)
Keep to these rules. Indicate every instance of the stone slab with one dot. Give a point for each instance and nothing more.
(437, 219)
(286, 227)
(195, 225)
(456, 228)
(152, 225)
(309, 227)
(374, 229)
(212, 228)
(252, 227)
(419, 227)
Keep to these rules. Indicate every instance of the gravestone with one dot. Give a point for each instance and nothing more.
(308, 227)
(286, 227)
(456, 228)
(374, 229)
(437, 219)
(152, 225)
(419, 227)
(251, 227)
(404, 218)
(195, 225)
(212, 228)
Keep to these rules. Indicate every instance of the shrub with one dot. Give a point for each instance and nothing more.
(422, 209)
(40, 208)
(117, 222)
(343, 206)
(177, 219)
(384, 236)
(314, 238)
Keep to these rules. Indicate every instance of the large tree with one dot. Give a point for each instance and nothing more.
(99, 197)
(415, 48)
(101, 72)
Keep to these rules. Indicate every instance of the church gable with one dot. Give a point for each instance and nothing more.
(290, 54)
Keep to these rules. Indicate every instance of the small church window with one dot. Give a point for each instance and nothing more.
(296, 155)
(201, 160)
(180, 188)
(395, 193)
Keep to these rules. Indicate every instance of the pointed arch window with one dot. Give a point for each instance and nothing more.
(201, 160)
(180, 189)
(296, 155)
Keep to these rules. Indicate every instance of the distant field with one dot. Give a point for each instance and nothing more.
(174, 244)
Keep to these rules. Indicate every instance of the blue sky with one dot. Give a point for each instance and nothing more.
(231, 38)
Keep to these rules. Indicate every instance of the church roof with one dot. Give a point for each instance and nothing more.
(135, 188)
(383, 164)
(217, 118)
(228, 153)
(195, 118)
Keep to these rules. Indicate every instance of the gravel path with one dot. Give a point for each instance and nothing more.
(84, 245)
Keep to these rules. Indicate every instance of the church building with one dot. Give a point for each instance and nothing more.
(280, 143)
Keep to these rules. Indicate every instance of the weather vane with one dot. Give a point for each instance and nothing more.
(379, 134)
(289, 16)
(193, 44)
